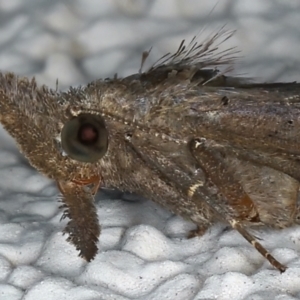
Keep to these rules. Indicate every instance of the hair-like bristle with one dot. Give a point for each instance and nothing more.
(201, 54)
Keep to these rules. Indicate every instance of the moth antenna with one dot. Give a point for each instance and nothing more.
(259, 247)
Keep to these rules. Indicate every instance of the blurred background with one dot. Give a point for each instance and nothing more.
(77, 41)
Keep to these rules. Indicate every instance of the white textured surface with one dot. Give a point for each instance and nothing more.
(144, 253)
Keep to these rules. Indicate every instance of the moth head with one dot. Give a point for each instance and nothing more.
(85, 138)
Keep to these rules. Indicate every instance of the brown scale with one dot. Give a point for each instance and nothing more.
(211, 148)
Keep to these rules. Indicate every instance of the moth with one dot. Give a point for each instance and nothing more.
(209, 147)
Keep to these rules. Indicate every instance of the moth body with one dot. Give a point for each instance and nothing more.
(207, 146)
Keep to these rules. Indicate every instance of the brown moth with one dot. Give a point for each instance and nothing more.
(209, 147)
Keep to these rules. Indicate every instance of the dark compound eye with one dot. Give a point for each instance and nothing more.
(85, 138)
(87, 134)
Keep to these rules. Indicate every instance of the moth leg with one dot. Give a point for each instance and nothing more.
(83, 228)
(242, 206)
(217, 174)
(172, 184)
(199, 231)
(258, 246)
(274, 193)
(297, 215)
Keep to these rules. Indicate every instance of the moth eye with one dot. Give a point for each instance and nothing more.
(85, 138)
